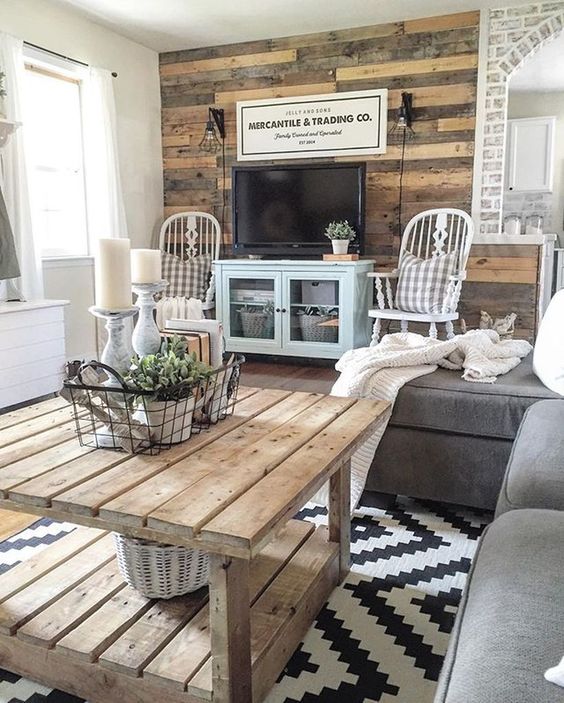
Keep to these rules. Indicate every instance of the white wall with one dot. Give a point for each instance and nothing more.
(137, 94)
(525, 104)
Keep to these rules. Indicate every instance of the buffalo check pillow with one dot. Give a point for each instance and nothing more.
(423, 283)
(189, 279)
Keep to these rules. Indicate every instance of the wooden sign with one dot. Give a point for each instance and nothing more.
(305, 127)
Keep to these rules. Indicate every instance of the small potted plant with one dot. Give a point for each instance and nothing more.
(316, 323)
(170, 380)
(340, 233)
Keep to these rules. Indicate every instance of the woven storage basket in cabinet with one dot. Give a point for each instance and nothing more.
(313, 329)
(160, 570)
(253, 324)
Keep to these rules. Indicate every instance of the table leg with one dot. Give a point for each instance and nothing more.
(230, 629)
(340, 515)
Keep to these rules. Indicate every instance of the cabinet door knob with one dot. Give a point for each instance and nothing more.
(283, 309)
(277, 309)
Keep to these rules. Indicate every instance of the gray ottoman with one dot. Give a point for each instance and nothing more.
(450, 440)
(510, 626)
(535, 473)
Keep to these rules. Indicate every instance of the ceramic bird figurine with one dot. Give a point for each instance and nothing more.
(504, 326)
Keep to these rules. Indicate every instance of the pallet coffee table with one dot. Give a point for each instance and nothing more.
(67, 618)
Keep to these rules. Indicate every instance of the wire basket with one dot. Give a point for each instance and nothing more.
(160, 570)
(314, 330)
(110, 415)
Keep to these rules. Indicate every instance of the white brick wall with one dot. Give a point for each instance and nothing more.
(515, 33)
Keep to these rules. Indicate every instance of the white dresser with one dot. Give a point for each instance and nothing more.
(32, 350)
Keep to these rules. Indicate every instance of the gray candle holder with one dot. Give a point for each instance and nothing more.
(118, 350)
(146, 335)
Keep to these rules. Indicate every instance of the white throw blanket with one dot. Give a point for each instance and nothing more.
(381, 371)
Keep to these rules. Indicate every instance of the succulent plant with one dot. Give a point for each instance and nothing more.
(340, 230)
(170, 373)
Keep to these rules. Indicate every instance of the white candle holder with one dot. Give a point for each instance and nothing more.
(118, 350)
(146, 335)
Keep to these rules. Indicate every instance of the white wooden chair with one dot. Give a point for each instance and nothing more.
(428, 234)
(191, 234)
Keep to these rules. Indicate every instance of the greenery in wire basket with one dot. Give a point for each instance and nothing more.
(340, 230)
(319, 310)
(169, 374)
(2, 88)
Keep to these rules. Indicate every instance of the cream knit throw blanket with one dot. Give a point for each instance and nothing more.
(380, 372)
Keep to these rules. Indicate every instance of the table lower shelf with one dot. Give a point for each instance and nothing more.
(68, 620)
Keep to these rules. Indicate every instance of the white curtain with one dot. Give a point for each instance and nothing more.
(14, 182)
(106, 212)
(104, 198)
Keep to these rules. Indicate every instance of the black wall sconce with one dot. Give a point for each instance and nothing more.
(210, 142)
(401, 128)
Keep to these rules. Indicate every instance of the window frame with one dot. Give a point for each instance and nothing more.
(50, 65)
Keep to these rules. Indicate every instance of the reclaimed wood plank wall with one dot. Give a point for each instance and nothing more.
(436, 59)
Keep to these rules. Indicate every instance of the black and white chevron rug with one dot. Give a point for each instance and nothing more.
(383, 634)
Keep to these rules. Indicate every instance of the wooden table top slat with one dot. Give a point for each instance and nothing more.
(283, 491)
(51, 624)
(108, 622)
(29, 428)
(184, 494)
(141, 642)
(16, 610)
(37, 443)
(29, 412)
(26, 446)
(42, 489)
(28, 571)
(132, 507)
(237, 474)
(31, 467)
(200, 684)
(87, 496)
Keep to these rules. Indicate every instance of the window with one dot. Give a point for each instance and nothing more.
(53, 126)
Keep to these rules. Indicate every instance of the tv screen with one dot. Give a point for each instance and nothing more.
(284, 210)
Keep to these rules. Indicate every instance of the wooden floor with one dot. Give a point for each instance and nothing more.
(288, 376)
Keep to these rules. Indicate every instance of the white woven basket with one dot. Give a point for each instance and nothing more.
(160, 570)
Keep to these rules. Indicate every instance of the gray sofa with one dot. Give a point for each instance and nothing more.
(450, 440)
(510, 625)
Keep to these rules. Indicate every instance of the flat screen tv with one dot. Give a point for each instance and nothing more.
(284, 210)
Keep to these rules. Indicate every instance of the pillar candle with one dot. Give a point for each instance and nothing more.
(113, 274)
(146, 265)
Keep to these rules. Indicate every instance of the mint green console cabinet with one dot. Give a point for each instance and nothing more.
(294, 308)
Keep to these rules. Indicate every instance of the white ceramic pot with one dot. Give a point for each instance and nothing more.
(340, 246)
(168, 421)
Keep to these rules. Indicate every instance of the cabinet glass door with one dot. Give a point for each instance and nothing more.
(314, 307)
(251, 304)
